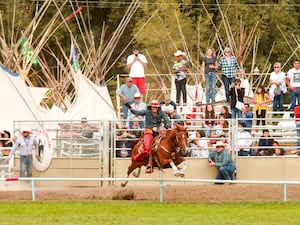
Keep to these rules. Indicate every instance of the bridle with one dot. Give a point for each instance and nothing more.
(178, 136)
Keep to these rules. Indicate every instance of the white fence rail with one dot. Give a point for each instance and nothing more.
(159, 180)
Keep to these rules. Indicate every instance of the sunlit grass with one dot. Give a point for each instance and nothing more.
(132, 212)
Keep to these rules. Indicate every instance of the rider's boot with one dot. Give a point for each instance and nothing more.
(146, 148)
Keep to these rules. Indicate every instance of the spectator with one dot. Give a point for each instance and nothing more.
(86, 130)
(219, 128)
(244, 141)
(126, 92)
(261, 100)
(137, 104)
(297, 121)
(153, 120)
(277, 150)
(169, 107)
(27, 144)
(293, 83)
(223, 162)
(236, 93)
(277, 79)
(199, 145)
(136, 128)
(123, 143)
(229, 66)
(6, 142)
(247, 117)
(180, 69)
(265, 141)
(137, 62)
(209, 73)
(225, 112)
(209, 118)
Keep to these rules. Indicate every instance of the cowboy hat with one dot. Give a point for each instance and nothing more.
(178, 53)
(137, 95)
(154, 103)
(220, 144)
(26, 129)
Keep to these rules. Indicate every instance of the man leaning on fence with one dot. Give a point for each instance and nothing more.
(223, 162)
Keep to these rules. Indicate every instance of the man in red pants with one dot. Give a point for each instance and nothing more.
(153, 120)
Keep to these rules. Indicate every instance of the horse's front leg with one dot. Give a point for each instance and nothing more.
(137, 173)
(175, 169)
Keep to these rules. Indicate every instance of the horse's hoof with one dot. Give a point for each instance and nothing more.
(177, 174)
(181, 174)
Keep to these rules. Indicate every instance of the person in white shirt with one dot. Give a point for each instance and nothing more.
(199, 145)
(137, 62)
(243, 140)
(293, 82)
(169, 107)
(137, 104)
(277, 79)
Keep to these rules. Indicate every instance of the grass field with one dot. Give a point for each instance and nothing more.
(132, 212)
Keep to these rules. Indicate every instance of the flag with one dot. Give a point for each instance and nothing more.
(74, 13)
(27, 52)
(75, 64)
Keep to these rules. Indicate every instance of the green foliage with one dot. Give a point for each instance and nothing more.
(128, 212)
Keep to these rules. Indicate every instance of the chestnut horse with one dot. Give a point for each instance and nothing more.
(164, 152)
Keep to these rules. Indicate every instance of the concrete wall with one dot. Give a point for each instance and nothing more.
(248, 168)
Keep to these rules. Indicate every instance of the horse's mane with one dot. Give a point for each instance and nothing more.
(176, 129)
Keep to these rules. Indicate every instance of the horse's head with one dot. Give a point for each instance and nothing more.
(181, 138)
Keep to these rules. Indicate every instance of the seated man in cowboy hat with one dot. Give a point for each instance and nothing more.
(222, 161)
(153, 120)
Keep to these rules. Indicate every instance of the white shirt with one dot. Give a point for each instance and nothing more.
(277, 77)
(169, 108)
(137, 69)
(294, 76)
(201, 149)
(244, 140)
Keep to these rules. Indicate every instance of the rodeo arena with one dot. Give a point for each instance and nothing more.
(70, 160)
(86, 150)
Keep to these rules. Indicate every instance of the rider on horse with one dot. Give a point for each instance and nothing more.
(153, 119)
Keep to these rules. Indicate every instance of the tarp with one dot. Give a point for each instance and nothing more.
(16, 99)
(22, 103)
(92, 101)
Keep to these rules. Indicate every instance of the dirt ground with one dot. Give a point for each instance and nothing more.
(182, 193)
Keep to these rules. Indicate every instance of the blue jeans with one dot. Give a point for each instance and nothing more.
(26, 163)
(210, 88)
(243, 153)
(295, 97)
(225, 173)
(298, 136)
(236, 113)
(125, 112)
(227, 82)
(278, 102)
(180, 88)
